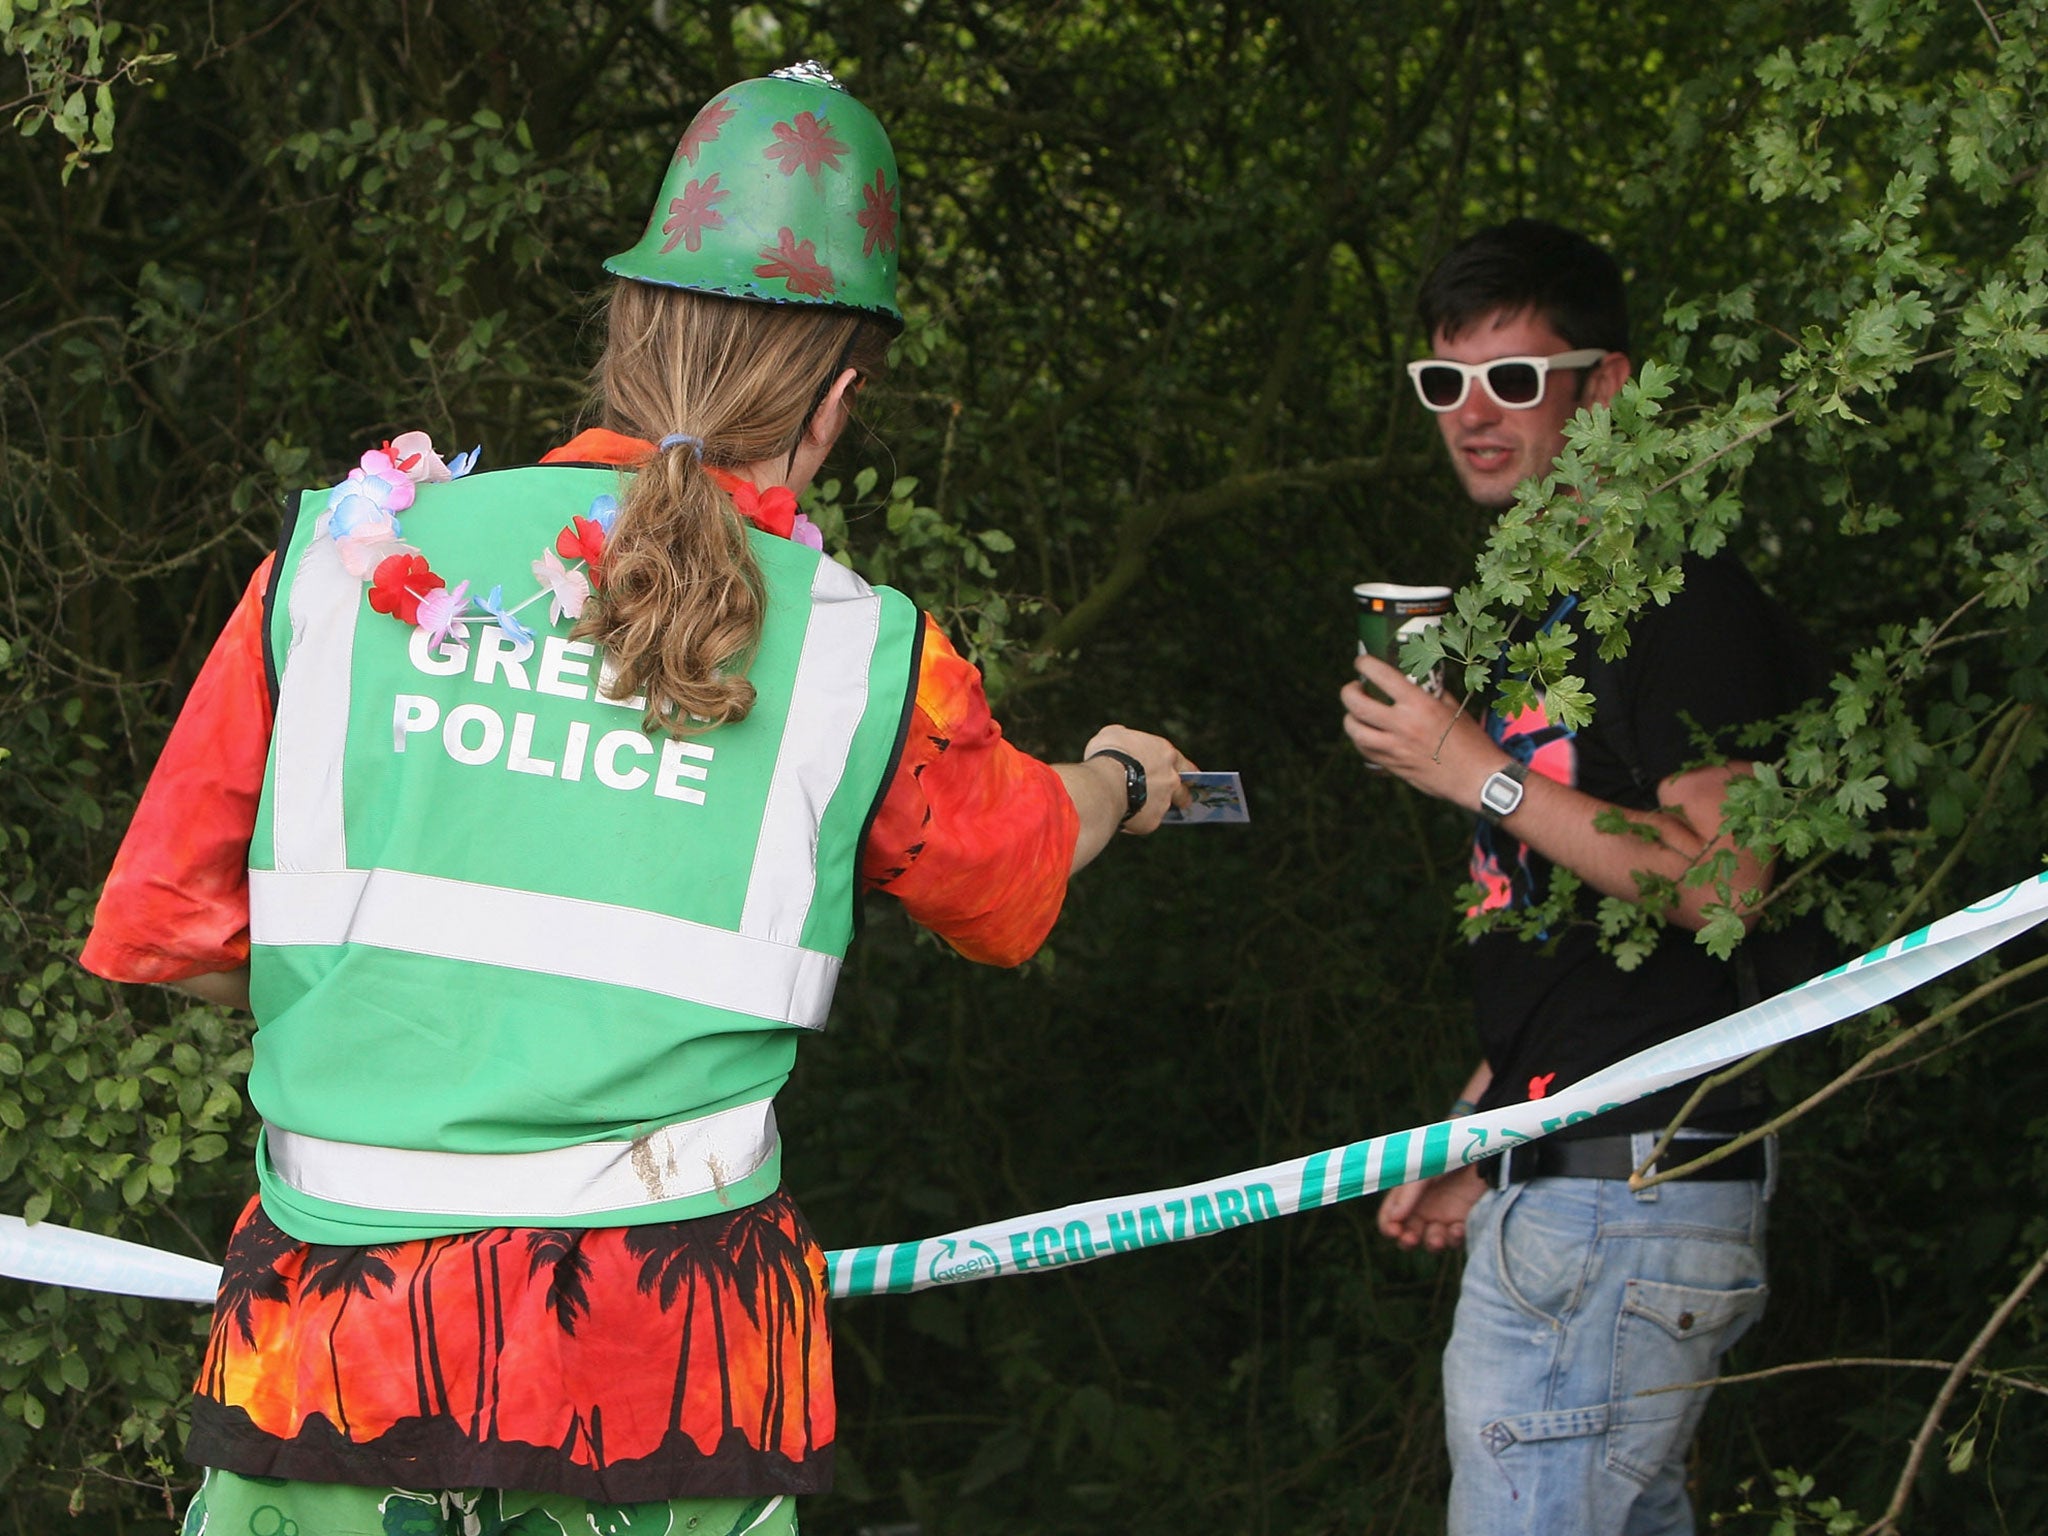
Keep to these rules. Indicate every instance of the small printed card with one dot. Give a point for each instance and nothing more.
(1217, 797)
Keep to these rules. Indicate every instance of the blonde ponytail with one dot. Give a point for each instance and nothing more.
(681, 605)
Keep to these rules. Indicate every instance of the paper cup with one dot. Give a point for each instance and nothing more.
(1389, 614)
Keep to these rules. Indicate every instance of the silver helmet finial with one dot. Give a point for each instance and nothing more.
(810, 71)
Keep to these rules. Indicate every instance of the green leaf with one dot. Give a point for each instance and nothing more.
(1962, 1453)
(1722, 933)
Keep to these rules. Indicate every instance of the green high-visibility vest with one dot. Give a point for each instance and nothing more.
(514, 962)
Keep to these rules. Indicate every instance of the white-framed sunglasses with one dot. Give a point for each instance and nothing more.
(1515, 383)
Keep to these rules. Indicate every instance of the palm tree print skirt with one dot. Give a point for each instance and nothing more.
(677, 1360)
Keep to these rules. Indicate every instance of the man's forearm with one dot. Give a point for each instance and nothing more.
(1430, 745)
(1561, 823)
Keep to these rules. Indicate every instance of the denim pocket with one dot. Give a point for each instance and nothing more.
(1546, 1244)
(1667, 1335)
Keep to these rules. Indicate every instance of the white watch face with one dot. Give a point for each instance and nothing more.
(1500, 794)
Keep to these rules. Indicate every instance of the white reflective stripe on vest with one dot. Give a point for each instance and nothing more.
(828, 698)
(678, 1162)
(554, 935)
(311, 729)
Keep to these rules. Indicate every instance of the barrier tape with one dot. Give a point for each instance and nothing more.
(1095, 1229)
(47, 1254)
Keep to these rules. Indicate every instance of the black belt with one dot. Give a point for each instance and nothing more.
(1614, 1157)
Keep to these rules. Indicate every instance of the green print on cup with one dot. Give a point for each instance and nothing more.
(1389, 614)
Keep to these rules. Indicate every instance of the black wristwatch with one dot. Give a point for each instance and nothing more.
(1502, 792)
(1134, 779)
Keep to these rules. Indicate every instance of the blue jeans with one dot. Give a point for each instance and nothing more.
(1577, 1297)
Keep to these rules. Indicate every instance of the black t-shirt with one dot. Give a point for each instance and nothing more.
(1720, 655)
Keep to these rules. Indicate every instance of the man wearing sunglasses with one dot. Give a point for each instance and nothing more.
(1578, 1294)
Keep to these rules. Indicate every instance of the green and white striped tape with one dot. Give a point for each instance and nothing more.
(1095, 1229)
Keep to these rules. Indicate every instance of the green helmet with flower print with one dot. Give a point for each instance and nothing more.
(783, 190)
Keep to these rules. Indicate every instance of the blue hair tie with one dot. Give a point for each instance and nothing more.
(677, 439)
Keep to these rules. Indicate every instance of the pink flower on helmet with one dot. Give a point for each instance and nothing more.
(878, 218)
(704, 127)
(691, 214)
(805, 143)
(796, 263)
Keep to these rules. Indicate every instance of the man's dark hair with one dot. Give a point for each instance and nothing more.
(1528, 264)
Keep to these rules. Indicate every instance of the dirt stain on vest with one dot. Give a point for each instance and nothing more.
(659, 1175)
(654, 1176)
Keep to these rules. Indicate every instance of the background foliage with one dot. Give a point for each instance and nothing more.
(1148, 426)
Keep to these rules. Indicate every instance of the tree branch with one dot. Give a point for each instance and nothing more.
(1962, 1369)
(1139, 527)
(1639, 1180)
(2011, 726)
(1796, 1367)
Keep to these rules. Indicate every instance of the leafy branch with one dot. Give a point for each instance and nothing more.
(1641, 1179)
(1963, 1369)
(72, 59)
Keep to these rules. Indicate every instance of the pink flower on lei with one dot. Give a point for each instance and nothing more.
(442, 610)
(362, 512)
(370, 498)
(570, 589)
(413, 455)
(362, 553)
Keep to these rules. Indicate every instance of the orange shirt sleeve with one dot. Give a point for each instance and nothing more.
(974, 837)
(176, 903)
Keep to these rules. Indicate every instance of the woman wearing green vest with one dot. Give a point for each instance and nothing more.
(528, 811)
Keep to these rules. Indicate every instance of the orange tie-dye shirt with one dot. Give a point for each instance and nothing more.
(974, 837)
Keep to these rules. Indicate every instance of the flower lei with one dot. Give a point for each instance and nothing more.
(772, 511)
(362, 519)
